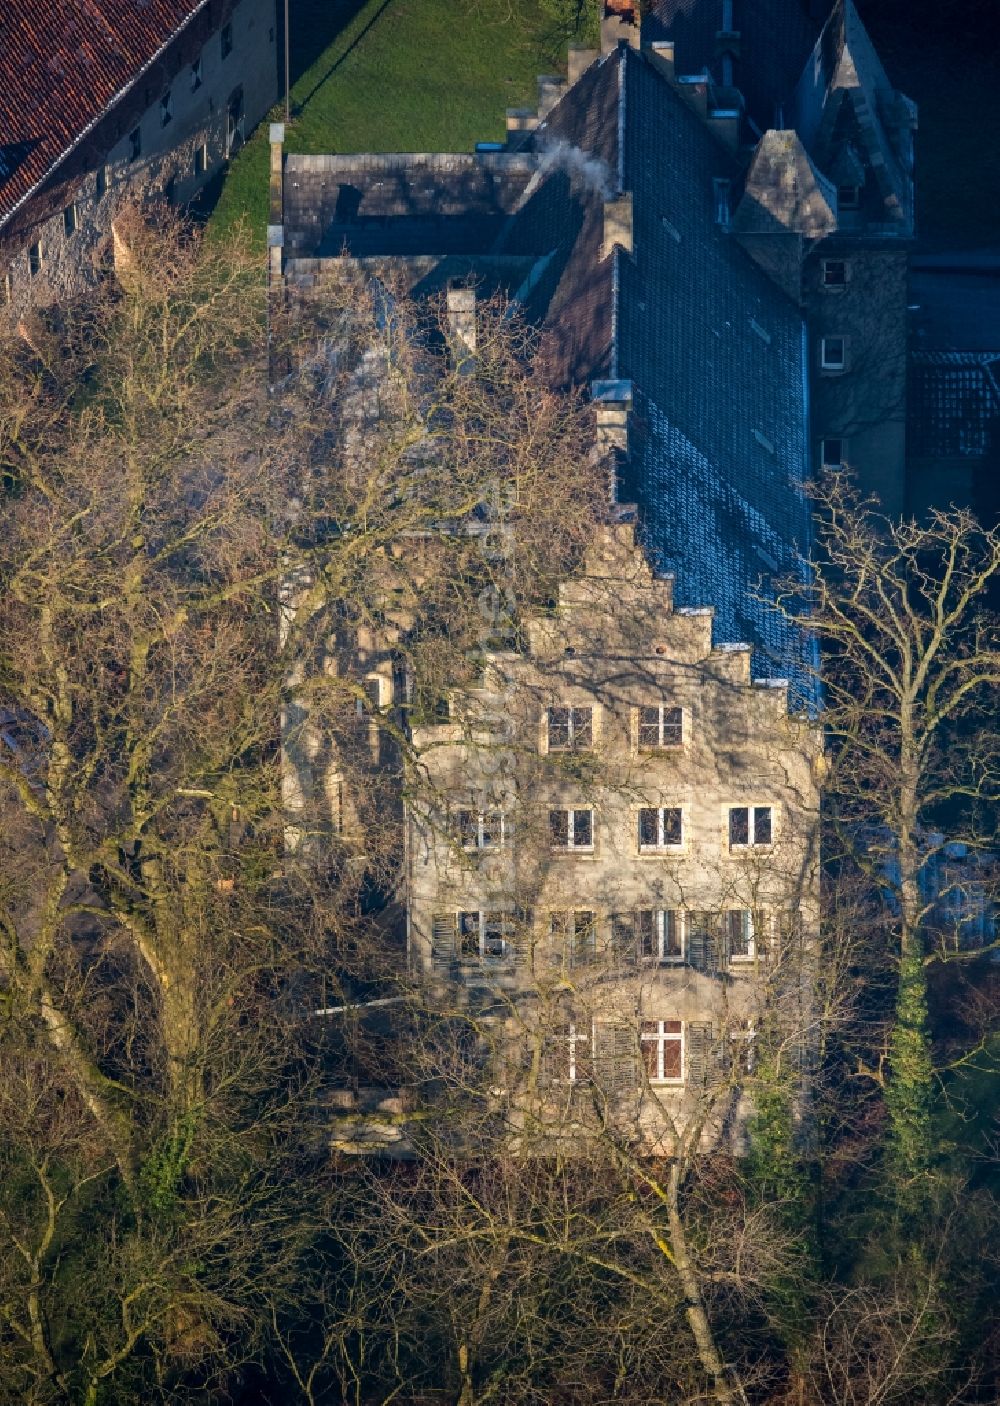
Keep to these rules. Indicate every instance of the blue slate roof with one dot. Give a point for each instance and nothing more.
(775, 39)
(714, 350)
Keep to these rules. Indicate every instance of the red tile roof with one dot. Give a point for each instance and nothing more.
(62, 64)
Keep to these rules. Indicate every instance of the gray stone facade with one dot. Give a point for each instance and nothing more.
(664, 916)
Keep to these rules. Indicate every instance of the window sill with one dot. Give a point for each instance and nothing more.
(654, 851)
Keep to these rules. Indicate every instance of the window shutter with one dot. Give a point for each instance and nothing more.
(443, 939)
(584, 938)
(623, 939)
(705, 946)
(702, 1054)
(521, 937)
(615, 1057)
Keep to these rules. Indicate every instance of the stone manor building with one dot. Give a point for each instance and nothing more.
(708, 222)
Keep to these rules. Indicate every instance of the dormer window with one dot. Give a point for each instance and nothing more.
(720, 191)
(832, 452)
(833, 353)
(848, 197)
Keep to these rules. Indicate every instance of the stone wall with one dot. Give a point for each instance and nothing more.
(177, 159)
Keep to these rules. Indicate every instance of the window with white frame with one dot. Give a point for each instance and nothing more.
(660, 827)
(196, 74)
(750, 826)
(833, 353)
(848, 197)
(69, 219)
(481, 829)
(662, 1046)
(166, 108)
(574, 936)
(567, 1053)
(660, 934)
(739, 932)
(572, 829)
(832, 452)
(485, 933)
(660, 725)
(35, 259)
(570, 729)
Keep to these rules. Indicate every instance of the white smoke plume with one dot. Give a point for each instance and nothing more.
(582, 167)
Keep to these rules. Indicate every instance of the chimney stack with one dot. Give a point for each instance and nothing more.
(619, 23)
(617, 224)
(612, 406)
(461, 305)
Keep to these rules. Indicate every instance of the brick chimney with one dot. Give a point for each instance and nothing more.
(619, 22)
(612, 402)
(461, 309)
(617, 224)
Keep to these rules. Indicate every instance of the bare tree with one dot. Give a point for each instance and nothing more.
(161, 948)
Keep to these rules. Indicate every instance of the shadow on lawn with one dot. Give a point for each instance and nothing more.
(317, 43)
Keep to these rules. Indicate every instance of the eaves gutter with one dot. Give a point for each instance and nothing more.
(108, 107)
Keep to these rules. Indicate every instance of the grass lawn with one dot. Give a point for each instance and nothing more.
(397, 75)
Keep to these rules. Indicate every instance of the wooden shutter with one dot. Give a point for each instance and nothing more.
(521, 937)
(623, 939)
(584, 950)
(615, 1057)
(704, 942)
(702, 1054)
(443, 929)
